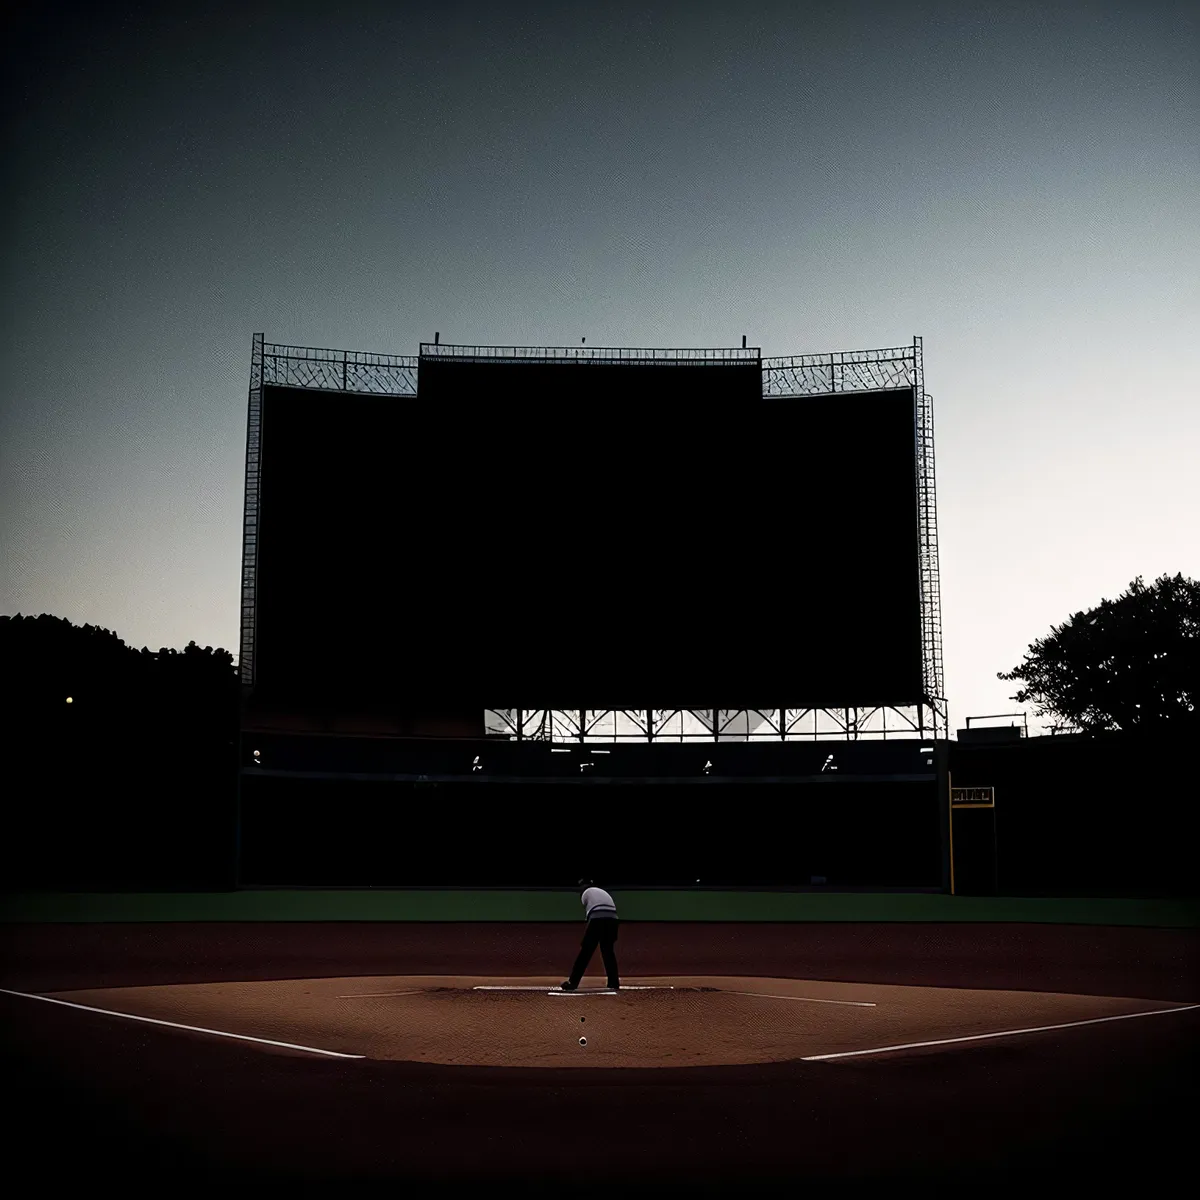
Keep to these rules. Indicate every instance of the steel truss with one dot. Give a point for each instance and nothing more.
(730, 725)
(796, 376)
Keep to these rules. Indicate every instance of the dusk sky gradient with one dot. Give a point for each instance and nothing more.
(1017, 184)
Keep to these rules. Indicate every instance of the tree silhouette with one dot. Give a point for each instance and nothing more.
(132, 781)
(1130, 664)
(47, 659)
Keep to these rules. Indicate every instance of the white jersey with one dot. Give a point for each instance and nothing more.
(598, 903)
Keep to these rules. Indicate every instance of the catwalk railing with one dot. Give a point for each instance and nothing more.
(596, 355)
(396, 374)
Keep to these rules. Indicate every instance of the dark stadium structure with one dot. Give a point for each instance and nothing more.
(687, 572)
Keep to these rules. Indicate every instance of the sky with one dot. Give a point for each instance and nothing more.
(1017, 184)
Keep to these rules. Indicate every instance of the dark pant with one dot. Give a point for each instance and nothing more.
(601, 931)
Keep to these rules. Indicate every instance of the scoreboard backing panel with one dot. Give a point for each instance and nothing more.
(568, 535)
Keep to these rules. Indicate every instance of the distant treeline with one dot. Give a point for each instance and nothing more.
(120, 764)
(47, 661)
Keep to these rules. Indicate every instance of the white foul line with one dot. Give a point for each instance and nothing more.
(976, 1037)
(241, 1037)
(551, 990)
(806, 999)
(360, 995)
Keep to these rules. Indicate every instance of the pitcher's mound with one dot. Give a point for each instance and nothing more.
(662, 1024)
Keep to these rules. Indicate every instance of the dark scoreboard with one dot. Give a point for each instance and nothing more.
(575, 534)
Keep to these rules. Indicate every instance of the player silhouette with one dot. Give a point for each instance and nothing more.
(602, 925)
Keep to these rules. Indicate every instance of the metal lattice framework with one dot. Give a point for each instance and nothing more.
(250, 514)
(931, 586)
(844, 371)
(795, 376)
(880, 722)
(340, 370)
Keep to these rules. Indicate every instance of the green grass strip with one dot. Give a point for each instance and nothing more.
(505, 905)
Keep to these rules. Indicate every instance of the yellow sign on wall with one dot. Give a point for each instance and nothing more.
(976, 797)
